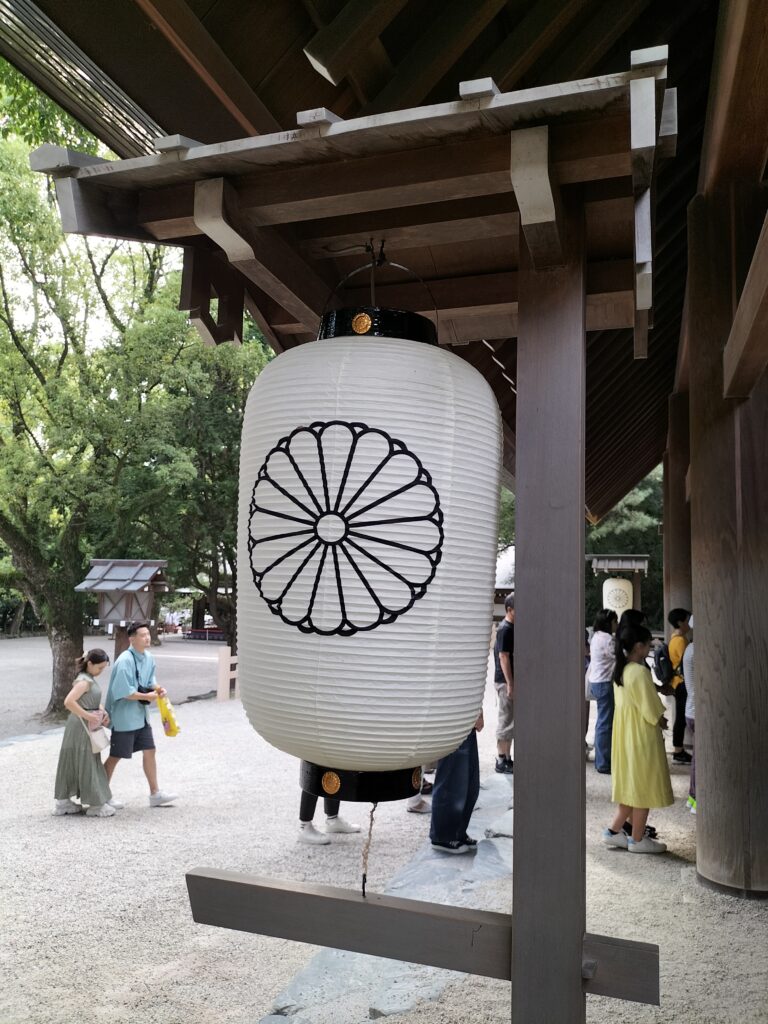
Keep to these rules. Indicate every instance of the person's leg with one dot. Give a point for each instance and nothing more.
(331, 806)
(149, 764)
(623, 811)
(504, 731)
(450, 795)
(307, 807)
(603, 693)
(691, 723)
(109, 766)
(639, 821)
(678, 730)
(473, 781)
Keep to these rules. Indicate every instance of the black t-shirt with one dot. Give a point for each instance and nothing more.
(505, 641)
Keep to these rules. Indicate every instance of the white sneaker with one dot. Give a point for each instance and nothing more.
(422, 806)
(615, 840)
(117, 804)
(338, 824)
(160, 799)
(102, 811)
(66, 807)
(646, 845)
(309, 834)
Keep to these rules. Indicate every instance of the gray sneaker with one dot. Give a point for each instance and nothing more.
(66, 807)
(160, 799)
(646, 845)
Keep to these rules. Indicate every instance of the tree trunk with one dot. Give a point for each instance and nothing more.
(14, 629)
(66, 647)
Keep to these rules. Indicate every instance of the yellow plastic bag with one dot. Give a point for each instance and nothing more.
(167, 717)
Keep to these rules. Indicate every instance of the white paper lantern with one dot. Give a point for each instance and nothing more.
(617, 595)
(369, 487)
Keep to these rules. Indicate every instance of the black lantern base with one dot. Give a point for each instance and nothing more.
(359, 787)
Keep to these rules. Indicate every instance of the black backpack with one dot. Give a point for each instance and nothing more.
(662, 665)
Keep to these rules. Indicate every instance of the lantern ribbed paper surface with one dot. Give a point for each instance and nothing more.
(617, 595)
(369, 487)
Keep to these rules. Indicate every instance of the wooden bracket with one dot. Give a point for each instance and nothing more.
(58, 161)
(537, 195)
(174, 144)
(264, 256)
(456, 938)
(206, 278)
(667, 146)
(319, 117)
(478, 89)
(642, 115)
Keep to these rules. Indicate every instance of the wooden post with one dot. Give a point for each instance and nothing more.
(677, 514)
(729, 509)
(637, 588)
(548, 913)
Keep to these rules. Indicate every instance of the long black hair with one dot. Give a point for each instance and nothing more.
(625, 642)
(95, 657)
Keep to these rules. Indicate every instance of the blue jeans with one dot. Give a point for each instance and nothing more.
(457, 784)
(602, 693)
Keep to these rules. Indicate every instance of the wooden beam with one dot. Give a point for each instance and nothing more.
(667, 143)
(189, 38)
(531, 37)
(643, 251)
(548, 872)
(478, 89)
(583, 152)
(205, 278)
(174, 144)
(536, 195)
(434, 53)
(337, 48)
(456, 938)
(640, 334)
(262, 255)
(735, 138)
(95, 211)
(58, 160)
(745, 358)
(642, 108)
(610, 299)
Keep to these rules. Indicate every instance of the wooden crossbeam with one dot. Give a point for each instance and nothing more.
(456, 938)
(204, 278)
(337, 47)
(188, 36)
(262, 255)
(421, 176)
(372, 66)
(536, 194)
(745, 358)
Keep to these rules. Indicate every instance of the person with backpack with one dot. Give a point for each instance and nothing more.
(602, 650)
(640, 774)
(679, 620)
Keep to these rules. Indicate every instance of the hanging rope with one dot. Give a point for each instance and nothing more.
(367, 847)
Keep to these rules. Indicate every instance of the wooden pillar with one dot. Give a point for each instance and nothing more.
(729, 510)
(637, 590)
(548, 913)
(677, 514)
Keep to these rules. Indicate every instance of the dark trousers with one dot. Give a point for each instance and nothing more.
(603, 694)
(308, 806)
(678, 729)
(457, 784)
(691, 723)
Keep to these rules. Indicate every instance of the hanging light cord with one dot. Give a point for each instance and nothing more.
(367, 847)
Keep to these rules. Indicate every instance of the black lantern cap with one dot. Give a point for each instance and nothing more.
(372, 321)
(359, 787)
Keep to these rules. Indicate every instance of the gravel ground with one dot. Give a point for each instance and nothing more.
(96, 927)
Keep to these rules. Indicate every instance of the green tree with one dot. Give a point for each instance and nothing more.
(506, 519)
(29, 115)
(632, 527)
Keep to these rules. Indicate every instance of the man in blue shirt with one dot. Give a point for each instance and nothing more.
(132, 688)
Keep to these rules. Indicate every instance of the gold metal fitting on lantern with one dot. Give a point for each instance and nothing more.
(361, 323)
(416, 778)
(331, 783)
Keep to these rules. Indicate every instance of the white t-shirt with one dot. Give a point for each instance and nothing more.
(602, 654)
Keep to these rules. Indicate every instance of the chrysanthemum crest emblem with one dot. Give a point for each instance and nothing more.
(345, 529)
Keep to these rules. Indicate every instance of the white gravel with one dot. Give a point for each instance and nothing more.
(95, 923)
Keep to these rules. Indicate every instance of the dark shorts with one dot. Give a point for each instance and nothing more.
(125, 744)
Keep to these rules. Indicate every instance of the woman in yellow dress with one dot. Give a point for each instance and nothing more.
(640, 773)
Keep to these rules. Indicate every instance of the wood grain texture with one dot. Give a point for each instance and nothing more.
(677, 513)
(549, 861)
(746, 352)
(457, 938)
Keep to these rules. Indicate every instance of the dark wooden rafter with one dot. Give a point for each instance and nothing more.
(434, 53)
(341, 48)
(189, 38)
(530, 39)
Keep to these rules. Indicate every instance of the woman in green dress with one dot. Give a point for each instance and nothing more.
(80, 772)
